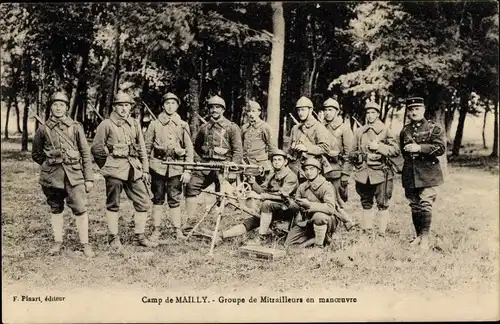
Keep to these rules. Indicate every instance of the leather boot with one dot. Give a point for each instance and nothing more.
(87, 251)
(141, 240)
(114, 242)
(56, 248)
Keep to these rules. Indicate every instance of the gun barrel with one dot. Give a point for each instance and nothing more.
(216, 166)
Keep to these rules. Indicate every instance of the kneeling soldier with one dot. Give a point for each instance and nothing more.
(60, 147)
(281, 182)
(373, 145)
(168, 139)
(316, 198)
(421, 142)
(119, 151)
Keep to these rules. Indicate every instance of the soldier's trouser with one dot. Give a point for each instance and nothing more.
(135, 190)
(368, 191)
(162, 186)
(421, 200)
(269, 206)
(299, 235)
(201, 180)
(75, 196)
(340, 192)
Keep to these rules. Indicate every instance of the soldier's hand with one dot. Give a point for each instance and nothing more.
(186, 177)
(373, 146)
(344, 180)
(250, 179)
(301, 148)
(304, 203)
(146, 177)
(88, 186)
(412, 148)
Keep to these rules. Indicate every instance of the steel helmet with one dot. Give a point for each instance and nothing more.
(170, 95)
(59, 96)
(312, 161)
(216, 100)
(372, 105)
(331, 103)
(122, 97)
(277, 151)
(304, 102)
(253, 105)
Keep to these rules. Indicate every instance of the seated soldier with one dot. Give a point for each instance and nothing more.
(316, 199)
(281, 182)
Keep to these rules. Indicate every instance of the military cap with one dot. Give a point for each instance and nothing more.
(331, 103)
(312, 161)
(170, 95)
(253, 105)
(414, 101)
(122, 97)
(304, 102)
(277, 151)
(372, 105)
(59, 96)
(216, 100)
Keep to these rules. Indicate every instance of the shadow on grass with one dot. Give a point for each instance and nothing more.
(476, 161)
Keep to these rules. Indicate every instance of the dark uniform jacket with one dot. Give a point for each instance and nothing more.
(344, 141)
(257, 143)
(373, 165)
(220, 141)
(115, 135)
(169, 139)
(57, 157)
(284, 182)
(422, 169)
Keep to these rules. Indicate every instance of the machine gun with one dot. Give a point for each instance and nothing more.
(229, 167)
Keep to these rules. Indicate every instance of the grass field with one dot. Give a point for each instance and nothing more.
(465, 242)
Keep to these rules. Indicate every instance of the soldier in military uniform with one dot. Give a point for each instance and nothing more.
(60, 147)
(421, 141)
(168, 139)
(373, 145)
(281, 182)
(342, 146)
(257, 140)
(310, 138)
(119, 150)
(316, 199)
(219, 140)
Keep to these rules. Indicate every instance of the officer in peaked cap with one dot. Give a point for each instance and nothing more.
(421, 143)
(342, 146)
(61, 149)
(373, 175)
(219, 140)
(119, 150)
(168, 139)
(281, 181)
(316, 199)
(257, 139)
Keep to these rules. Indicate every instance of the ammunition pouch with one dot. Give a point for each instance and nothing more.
(71, 157)
(54, 157)
(219, 153)
(160, 153)
(120, 150)
(180, 152)
(374, 159)
(356, 158)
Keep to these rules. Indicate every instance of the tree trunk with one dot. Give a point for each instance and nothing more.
(277, 55)
(116, 74)
(24, 140)
(18, 115)
(9, 104)
(448, 120)
(194, 91)
(485, 117)
(73, 102)
(495, 132)
(464, 107)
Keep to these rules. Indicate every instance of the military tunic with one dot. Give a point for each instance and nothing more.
(283, 182)
(65, 167)
(168, 139)
(421, 171)
(257, 143)
(321, 194)
(369, 175)
(216, 141)
(119, 150)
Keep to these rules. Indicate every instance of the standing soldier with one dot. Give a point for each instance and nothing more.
(309, 138)
(342, 146)
(120, 152)
(316, 199)
(60, 147)
(421, 142)
(219, 140)
(257, 140)
(373, 145)
(168, 139)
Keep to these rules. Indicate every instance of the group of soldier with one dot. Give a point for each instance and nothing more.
(306, 184)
